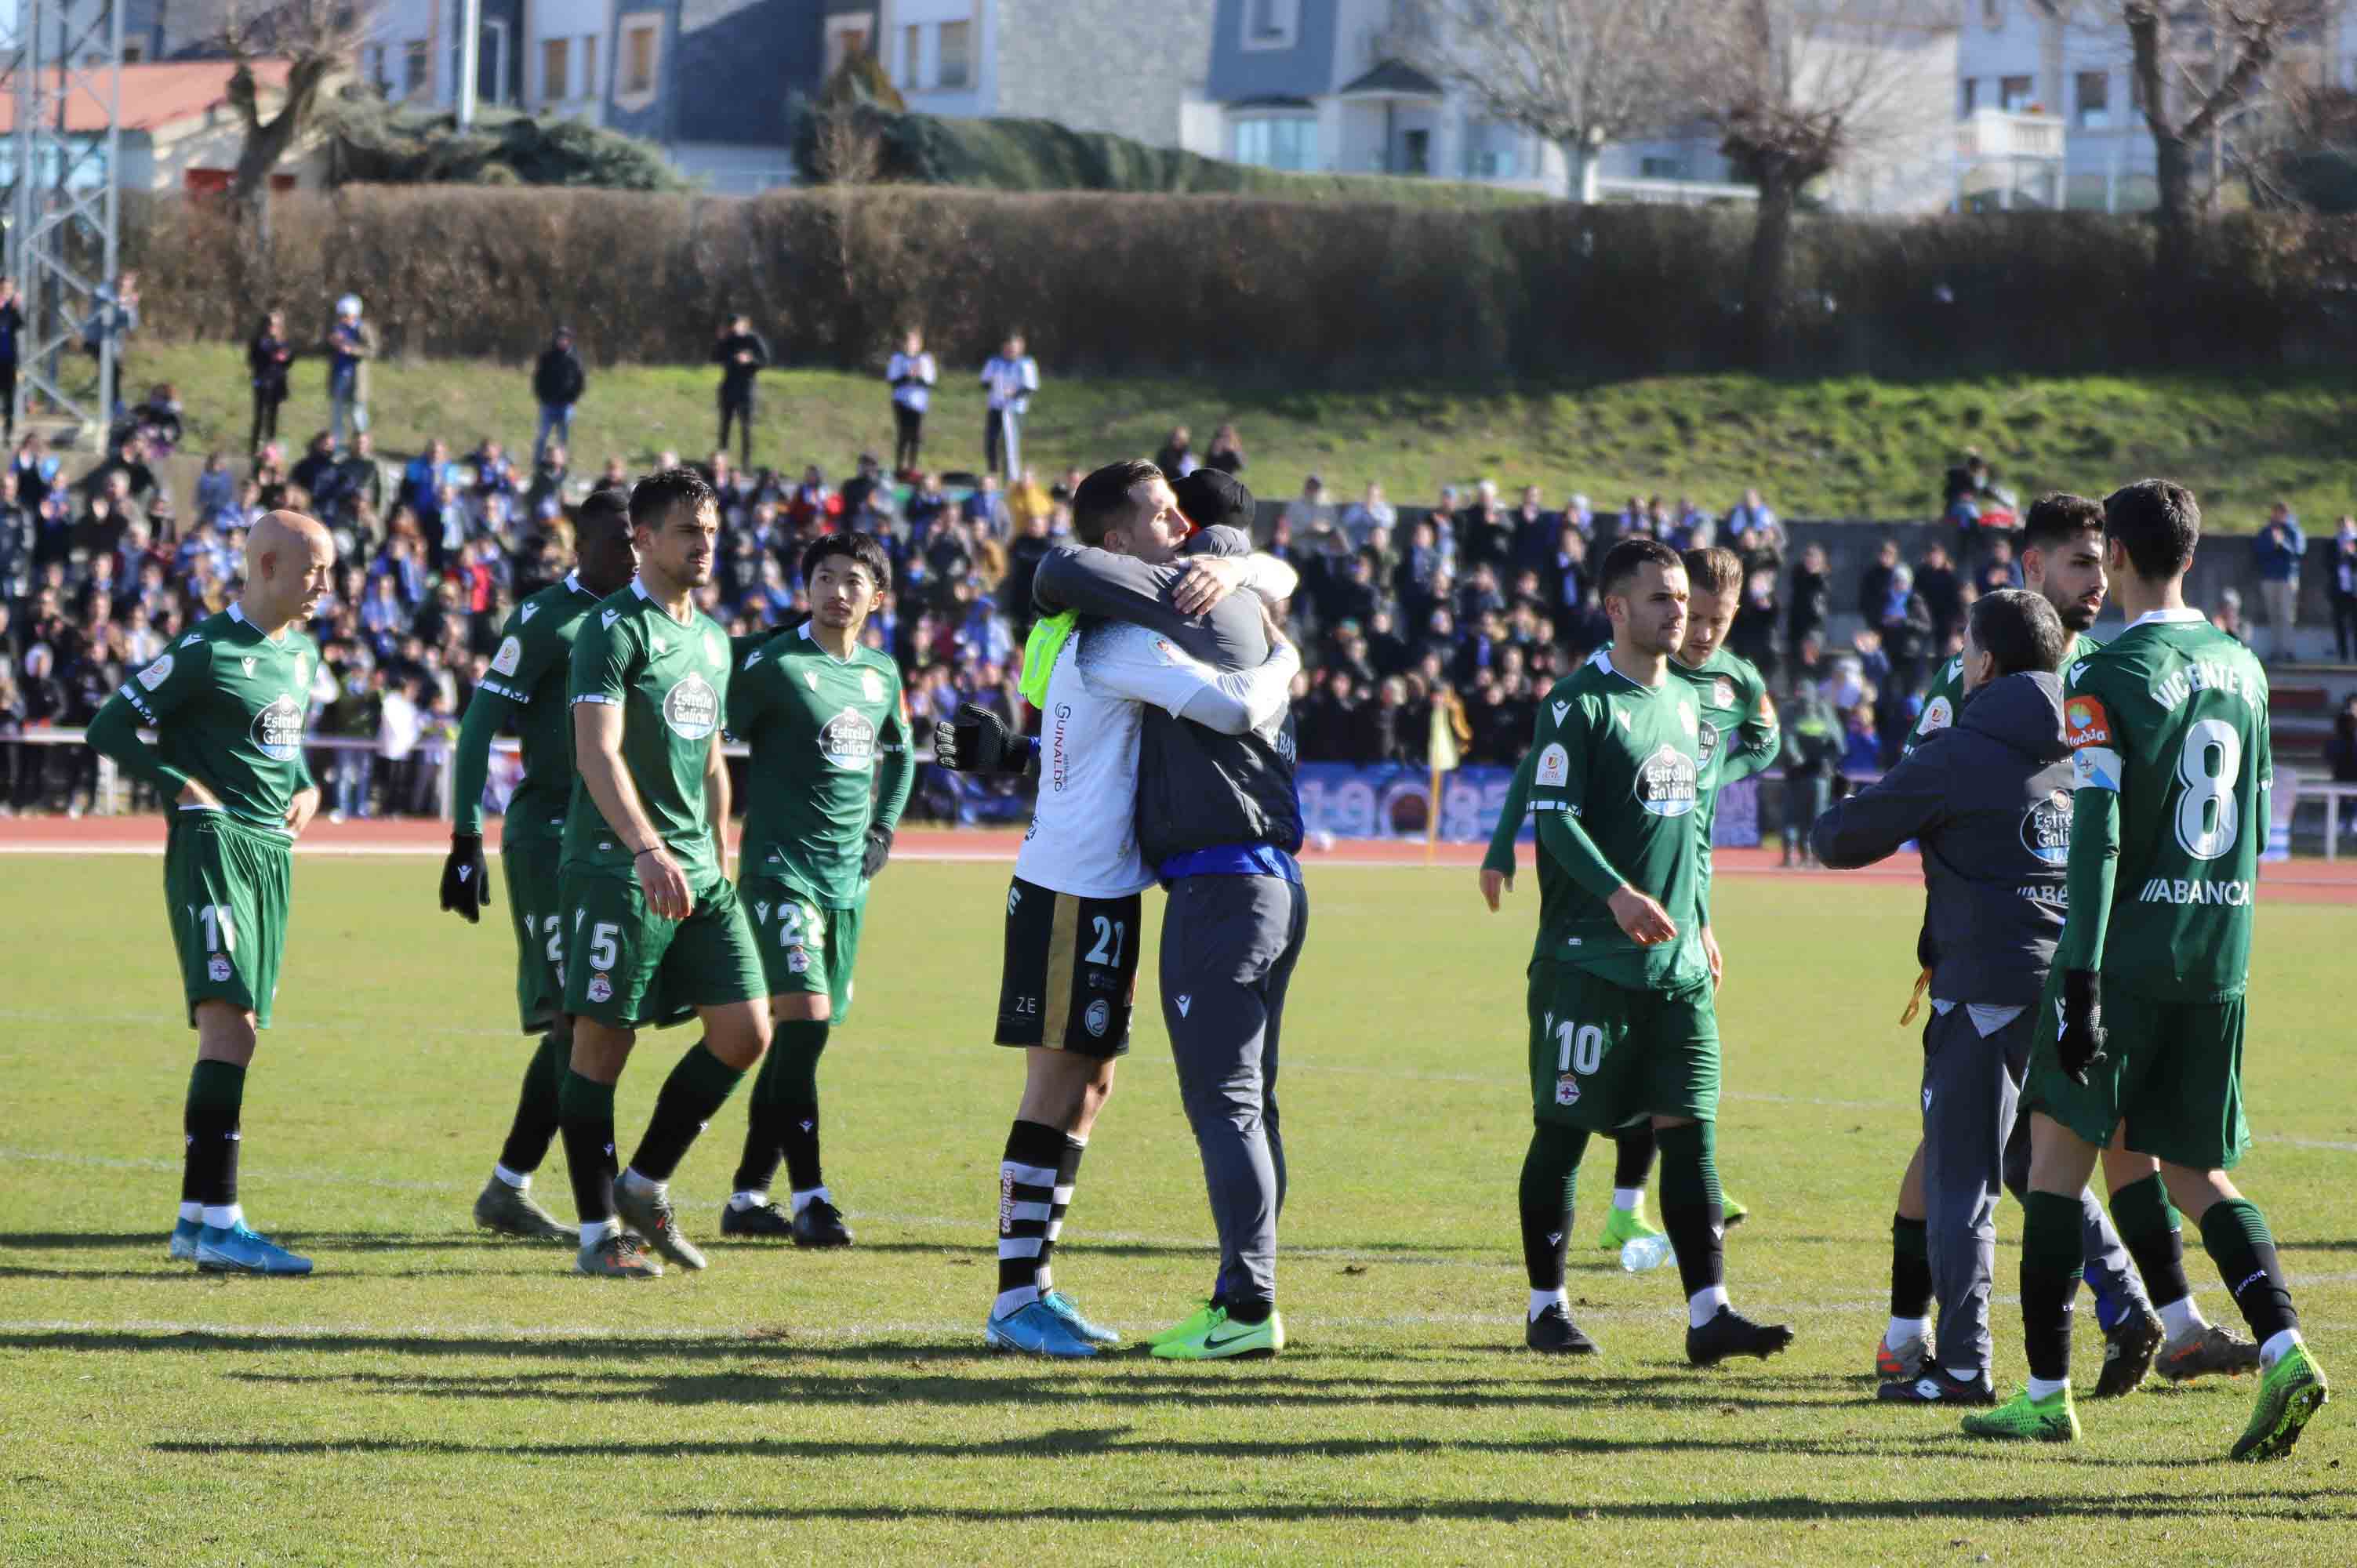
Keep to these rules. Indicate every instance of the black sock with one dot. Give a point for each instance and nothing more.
(694, 1093)
(1633, 1160)
(1550, 1178)
(209, 1122)
(1691, 1213)
(765, 1141)
(782, 1122)
(2148, 1227)
(798, 1139)
(1068, 1175)
(1027, 1195)
(1250, 1310)
(586, 1118)
(2053, 1260)
(2236, 1233)
(1910, 1269)
(536, 1116)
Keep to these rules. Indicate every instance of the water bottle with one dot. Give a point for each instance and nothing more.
(1641, 1254)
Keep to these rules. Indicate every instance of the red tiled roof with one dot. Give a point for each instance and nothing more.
(158, 95)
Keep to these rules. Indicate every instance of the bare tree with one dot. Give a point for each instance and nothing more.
(1797, 89)
(318, 39)
(1579, 74)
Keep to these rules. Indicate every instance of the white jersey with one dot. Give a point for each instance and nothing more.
(1084, 834)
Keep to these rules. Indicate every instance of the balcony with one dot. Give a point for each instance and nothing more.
(1987, 134)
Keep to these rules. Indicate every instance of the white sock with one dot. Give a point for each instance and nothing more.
(1010, 1301)
(2181, 1317)
(803, 1199)
(193, 1213)
(2277, 1343)
(2047, 1388)
(596, 1230)
(1543, 1299)
(1904, 1329)
(637, 1183)
(223, 1216)
(516, 1179)
(1629, 1199)
(1703, 1304)
(742, 1201)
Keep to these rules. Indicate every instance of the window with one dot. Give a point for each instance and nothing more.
(555, 70)
(376, 74)
(1271, 24)
(134, 53)
(954, 69)
(909, 35)
(1972, 95)
(417, 68)
(2095, 99)
(1492, 151)
(2013, 93)
(1280, 142)
(1663, 168)
(1415, 152)
(639, 45)
(589, 88)
(1993, 12)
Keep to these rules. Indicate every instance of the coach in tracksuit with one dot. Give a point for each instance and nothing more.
(1988, 800)
(1219, 819)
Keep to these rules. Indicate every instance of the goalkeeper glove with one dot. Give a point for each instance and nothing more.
(978, 741)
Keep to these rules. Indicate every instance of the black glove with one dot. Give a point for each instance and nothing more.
(1839, 788)
(2079, 1023)
(978, 741)
(466, 882)
(878, 851)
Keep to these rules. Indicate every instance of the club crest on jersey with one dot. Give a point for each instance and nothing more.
(798, 962)
(155, 675)
(1553, 768)
(1666, 783)
(1098, 1018)
(872, 684)
(1938, 715)
(2046, 828)
(1567, 1090)
(691, 708)
(848, 740)
(217, 968)
(278, 730)
(2084, 723)
(1722, 693)
(600, 988)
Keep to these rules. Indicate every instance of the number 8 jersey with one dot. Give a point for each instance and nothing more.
(2172, 717)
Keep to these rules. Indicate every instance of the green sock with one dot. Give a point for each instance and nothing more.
(584, 1110)
(2237, 1235)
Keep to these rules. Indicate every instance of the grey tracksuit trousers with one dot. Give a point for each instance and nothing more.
(1975, 1145)
(1228, 945)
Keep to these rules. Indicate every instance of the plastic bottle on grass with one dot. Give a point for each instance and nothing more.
(1641, 1254)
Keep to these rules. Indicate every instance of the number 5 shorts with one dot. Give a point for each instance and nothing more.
(1603, 1056)
(1071, 972)
(627, 967)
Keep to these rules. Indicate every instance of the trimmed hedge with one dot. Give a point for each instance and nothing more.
(1269, 291)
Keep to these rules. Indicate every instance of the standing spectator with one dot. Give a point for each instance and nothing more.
(2340, 754)
(267, 358)
(557, 383)
(1942, 592)
(1310, 512)
(19, 543)
(1753, 636)
(1010, 378)
(1811, 599)
(115, 318)
(2228, 617)
(1536, 530)
(911, 373)
(2341, 585)
(2000, 571)
(741, 355)
(1368, 513)
(1227, 453)
(12, 324)
(1874, 582)
(351, 344)
(1752, 512)
(1177, 457)
(1905, 622)
(2275, 554)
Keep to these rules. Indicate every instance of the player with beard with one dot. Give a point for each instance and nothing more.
(1621, 1023)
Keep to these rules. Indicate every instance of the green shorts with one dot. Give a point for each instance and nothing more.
(225, 892)
(2172, 1078)
(806, 948)
(531, 868)
(627, 967)
(1603, 1056)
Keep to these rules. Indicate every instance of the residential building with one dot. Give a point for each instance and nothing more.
(177, 131)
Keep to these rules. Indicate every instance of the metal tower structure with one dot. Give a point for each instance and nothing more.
(61, 71)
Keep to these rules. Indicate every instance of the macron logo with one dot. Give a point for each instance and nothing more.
(1184, 1003)
(609, 617)
(1560, 710)
(526, 610)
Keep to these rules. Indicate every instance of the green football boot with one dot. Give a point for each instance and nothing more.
(2293, 1391)
(1223, 1339)
(1190, 1327)
(1622, 1226)
(2021, 1419)
(1731, 1212)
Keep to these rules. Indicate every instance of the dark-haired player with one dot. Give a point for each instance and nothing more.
(653, 930)
(2172, 766)
(525, 692)
(830, 773)
(1621, 1023)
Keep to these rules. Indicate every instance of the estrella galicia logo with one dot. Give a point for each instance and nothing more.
(1666, 783)
(1706, 744)
(278, 730)
(691, 708)
(848, 740)
(2046, 828)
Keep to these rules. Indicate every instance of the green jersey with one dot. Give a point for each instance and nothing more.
(2171, 720)
(1947, 693)
(818, 726)
(1738, 738)
(227, 704)
(670, 677)
(530, 669)
(1617, 774)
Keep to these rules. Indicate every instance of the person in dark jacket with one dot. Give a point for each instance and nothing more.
(741, 355)
(267, 358)
(558, 382)
(1988, 800)
(12, 325)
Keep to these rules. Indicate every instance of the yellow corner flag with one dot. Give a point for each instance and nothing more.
(1444, 750)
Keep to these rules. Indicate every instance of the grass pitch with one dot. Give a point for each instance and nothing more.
(433, 1395)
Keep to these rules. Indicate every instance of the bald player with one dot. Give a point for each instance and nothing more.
(227, 703)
